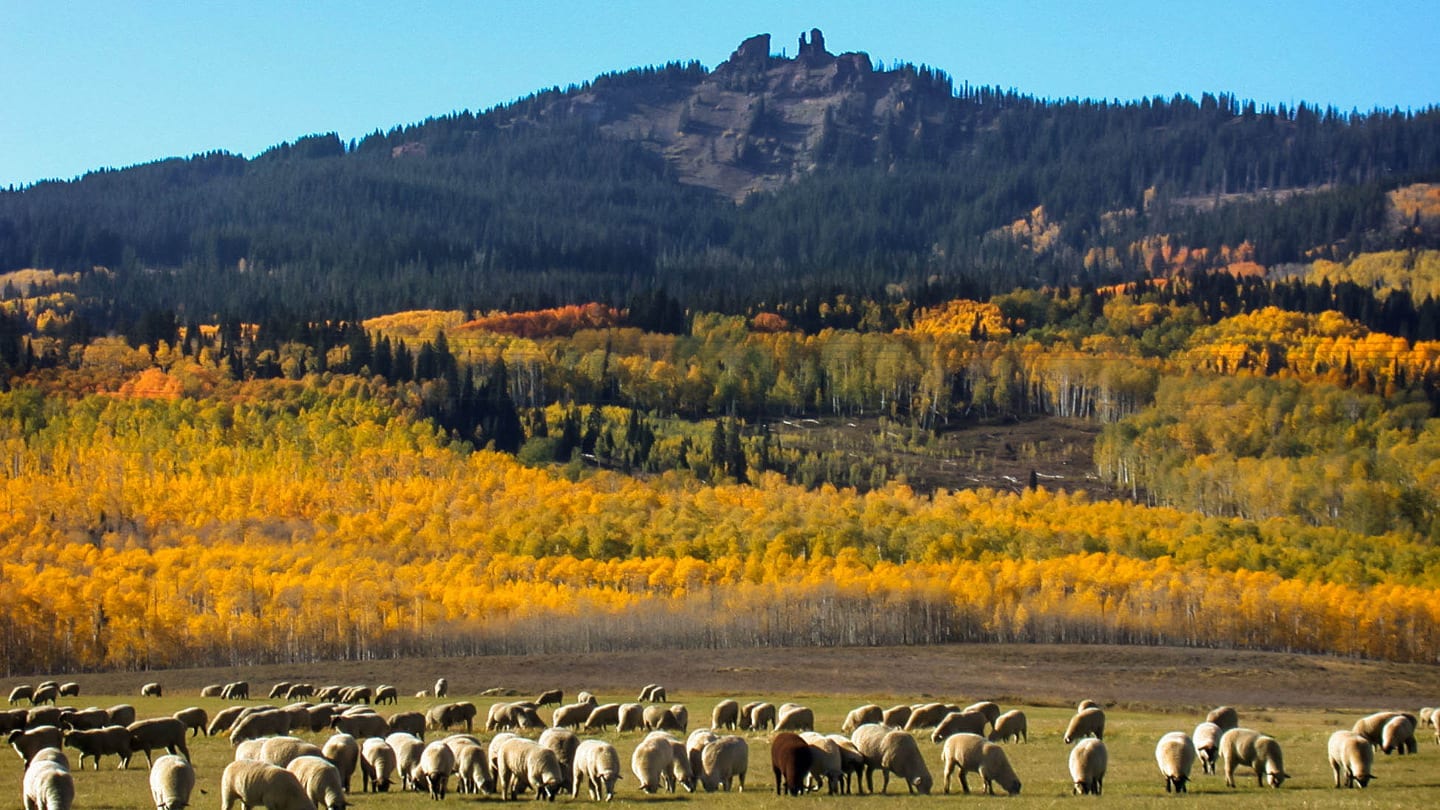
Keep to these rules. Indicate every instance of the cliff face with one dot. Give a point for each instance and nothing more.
(757, 121)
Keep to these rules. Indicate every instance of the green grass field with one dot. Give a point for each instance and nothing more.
(1133, 778)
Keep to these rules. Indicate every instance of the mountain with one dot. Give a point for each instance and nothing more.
(764, 179)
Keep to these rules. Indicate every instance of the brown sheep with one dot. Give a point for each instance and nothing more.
(790, 758)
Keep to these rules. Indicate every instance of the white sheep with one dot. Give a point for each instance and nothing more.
(194, 718)
(1225, 717)
(51, 755)
(631, 717)
(121, 714)
(726, 714)
(1089, 722)
(256, 784)
(896, 716)
(321, 781)
(377, 765)
(867, 739)
(989, 708)
(1088, 761)
(571, 715)
(343, 750)
(1207, 745)
(597, 765)
(1352, 757)
(472, 768)
(694, 744)
(927, 715)
(172, 780)
(900, 755)
(407, 748)
(279, 751)
(661, 718)
(827, 767)
(48, 786)
(762, 716)
(70, 689)
(1243, 746)
(723, 761)
(851, 760)
(602, 716)
(250, 749)
(442, 688)
(795, 718)
(266, 722)
(527, 765)
(972, 753)
(1398, 736)
(967, 722)
(1011, 725)
(151, 689)
(860, 715)
(563, 742)
(433, 770)
(653, 763)
(1175, 754)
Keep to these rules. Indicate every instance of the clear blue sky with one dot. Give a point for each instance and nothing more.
(86, 84)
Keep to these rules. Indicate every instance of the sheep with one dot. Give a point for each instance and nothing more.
(300, 690)
(22, 692)
(43, 716)
(867, 739)
(445, 716)
(1087, 703)
(900, 755)
(1011, 725)
(344, 751)
(1225, 717)
(385, 693)
(194, 719)
(653, 762)
(1398, 736)
(958, 723)
(631, 718)
(44, 684)
(527, 765)
(722, 761)
(377, 765)
(851, 760)
(967, 752)
(151, 689)
(236, 690)
(260, 783)
(223, 720)
(320, 717)
(84, 718)
(926, 716)
(514, 715)
(1243, 746)
(762, 716)
(359, 726)
(172, 780)
(1351, 758)
(158, 732)
(30, 741)
(550, 697)
(585, 697)
(1086, 723)
(572, 715)
(48, 786)
(860, 715)
(896, 716)
(250, 749)
(472, 769)
(1207, 745)
(121, 714)
(407, 748)
(795, 718)
(606, 714)
(95, 743)
(281, 751)
(211, 690)
(442, 688)
(1088, 761)
(790, 758)
(51, 755)
(264, 723)
(278, 690)
(826, 766)
(46, 693)
(357, 694)
(989, 708)
(328, 694)
(1175, 754)
(656, 717)
(321, 781)
(744, 719)
(726, 714)
(651, 693)
(70, 689)
(408, 722)
(695, 743)
(436, 763)
(12, 720)
(597, 764)
(682, 715)
(563, 742)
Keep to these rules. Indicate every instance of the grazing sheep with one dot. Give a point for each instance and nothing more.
(989, 708)
(250, 749)
(900, 755)
(85, 718)
(70, 689)
(442, 688)
(211, 690)
(585, 697)
(436, 764)
(926, 716)
(408, 722)
(281, 751)
(44, 716)
(13, 720)
(550, 697)
(22, 692)
(826, 765)
(1011, 725)
(1088, 761)
(344, 751)
(867, 739)
(158, 732)
(513, 715)
(1086, 723)
(1175, 754)
(1398, 736)
(896, 716)
(795, 718)
(632, 717)
(563, 742)
(194, 719)
(446, 716)
(726, 714)
(860, 715)
(30, 741)
(722, 761)
(121, 714)
(653, 762)
(300, 690)
(659, 718)
(597, 765)
(278, 690)
(48, 786)
(1207, 745)
(321, 781)
(525, 765)
(967, 753)
(790, 760)
(358, 726)
(572, 715)
(1352, 757)
(695, 744)
(1225, 717)
(172, 780)
(377, 765)
(682, 715)
(1243, 746)
(357, 694)
(329, 694)
(264, 723)
(959, 723)
(236, 690)
(762, 716)
(223, 720)
(45, 693)
(407, 748)
(651, 693)
(99, 742)
(745, 710)
(602, 716)
(1087, 703)
(151, 689)
(852, 762)
(472, 769)
(256, 784)
(385, 693)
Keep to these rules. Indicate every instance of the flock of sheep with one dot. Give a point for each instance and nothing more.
(275, 769)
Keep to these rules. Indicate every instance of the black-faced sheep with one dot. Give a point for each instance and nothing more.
(151, 689)
(99, 742)
(795, 718)
(385, 693)
(971, 753)
(900, 755)
(1225, 717)
(158, 732)
(48, 786)
(723, 761)
(860, 715)
(1175, 754)
(1207, 745)
(550, 697)
(1088, 762)
(726, 714)
(194, 718)
(172, 780)
(321, 781)
(344, 751)
(790, 760)
(377, 765)
(236, 690)
(30, 741)
(1011, 725)
(1088, 722)
(959, 723)
(1243, 746)
(433, 771)
(563, 742)
(1352, 758)
(597, 766)
(256, 784)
